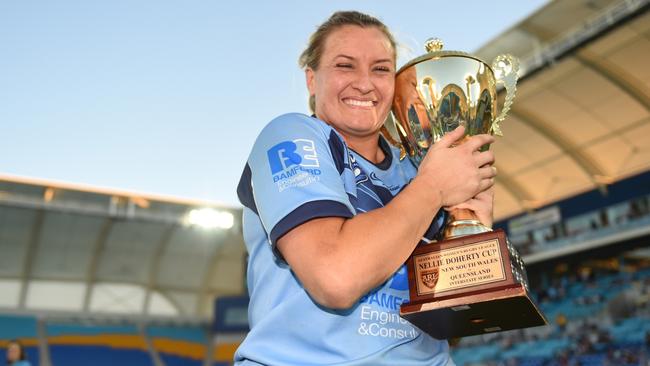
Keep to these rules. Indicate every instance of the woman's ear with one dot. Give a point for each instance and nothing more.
(310, 78)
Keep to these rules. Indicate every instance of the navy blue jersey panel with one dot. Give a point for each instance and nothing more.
(245, 190)
(338, 151)
(308, 211)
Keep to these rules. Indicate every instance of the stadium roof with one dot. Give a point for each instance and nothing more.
(74, 248)
(580, 119)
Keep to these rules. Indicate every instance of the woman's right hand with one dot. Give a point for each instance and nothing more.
(460, 172)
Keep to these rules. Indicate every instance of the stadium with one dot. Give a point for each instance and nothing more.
(102, 276)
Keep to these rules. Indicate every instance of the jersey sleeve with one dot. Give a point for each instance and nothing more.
(293, 175)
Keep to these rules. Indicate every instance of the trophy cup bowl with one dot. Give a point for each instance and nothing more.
(472, 281)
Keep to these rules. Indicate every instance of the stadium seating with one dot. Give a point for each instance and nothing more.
(591, 337)
(89, 342)
(72, 344)
(179, 346)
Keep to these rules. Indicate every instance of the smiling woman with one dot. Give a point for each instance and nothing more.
(324, 221)
(353, 84)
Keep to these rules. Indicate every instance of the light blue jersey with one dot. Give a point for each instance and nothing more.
(300, 169)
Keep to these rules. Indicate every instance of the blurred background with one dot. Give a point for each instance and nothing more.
(100, 102)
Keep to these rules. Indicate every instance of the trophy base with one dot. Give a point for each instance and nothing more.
(469, 285)
(493, 311)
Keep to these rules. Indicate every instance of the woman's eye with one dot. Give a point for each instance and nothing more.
(382, 69)
(345, 66)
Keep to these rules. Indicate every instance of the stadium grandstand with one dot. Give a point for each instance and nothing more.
(105, 275)
(133, 279)
(573, 190)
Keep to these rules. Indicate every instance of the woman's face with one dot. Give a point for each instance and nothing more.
(355, 80)
(13, 352)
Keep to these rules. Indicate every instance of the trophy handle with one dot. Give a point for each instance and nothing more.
(506, 68)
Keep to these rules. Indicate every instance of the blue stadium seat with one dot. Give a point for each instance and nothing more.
(532, 361)
(14, 327)
(179, 345)
(102, 345)
(189, 334)
(82, 355)
(173, 360)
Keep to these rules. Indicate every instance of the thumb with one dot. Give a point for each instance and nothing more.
(450, 138)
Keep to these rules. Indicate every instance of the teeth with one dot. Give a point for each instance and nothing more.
(359, 103)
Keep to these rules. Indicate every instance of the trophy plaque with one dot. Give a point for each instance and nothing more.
(473, 280)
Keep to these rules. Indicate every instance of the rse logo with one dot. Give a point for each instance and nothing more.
(300, 152)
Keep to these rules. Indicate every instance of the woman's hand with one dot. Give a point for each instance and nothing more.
(458, 172)
(482, 205)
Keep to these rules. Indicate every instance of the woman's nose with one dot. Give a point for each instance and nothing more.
(363, 82)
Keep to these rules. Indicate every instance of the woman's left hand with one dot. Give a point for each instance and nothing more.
(482, 204)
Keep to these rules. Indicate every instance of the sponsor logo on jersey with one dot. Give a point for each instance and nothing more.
(379, 310)
(389, 299)
(294, 163)
(384, 299)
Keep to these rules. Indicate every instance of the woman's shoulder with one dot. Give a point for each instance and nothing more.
(293, 117)
(296, 118)
(295, 124)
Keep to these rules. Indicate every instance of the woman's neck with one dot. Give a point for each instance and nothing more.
(368, 147)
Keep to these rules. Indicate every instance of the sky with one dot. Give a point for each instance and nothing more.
(167, 97)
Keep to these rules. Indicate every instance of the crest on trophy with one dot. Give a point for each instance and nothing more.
(430, 278)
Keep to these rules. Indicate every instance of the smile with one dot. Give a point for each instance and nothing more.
(359, 103)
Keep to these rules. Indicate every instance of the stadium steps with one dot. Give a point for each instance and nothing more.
(43, 347)
(179, 345)
(155, 357)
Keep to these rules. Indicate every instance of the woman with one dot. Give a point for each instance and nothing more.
(16, 354)
(326, 231)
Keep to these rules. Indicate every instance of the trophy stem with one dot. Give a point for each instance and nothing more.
(463, 222)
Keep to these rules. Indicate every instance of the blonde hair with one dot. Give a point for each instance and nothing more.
(310, 57)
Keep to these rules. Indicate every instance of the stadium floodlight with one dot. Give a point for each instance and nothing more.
(210, 218)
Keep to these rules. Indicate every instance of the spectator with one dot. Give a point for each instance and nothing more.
(16, 354)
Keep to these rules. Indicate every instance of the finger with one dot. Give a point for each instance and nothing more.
(487, 172)
(450, 138)
(486, 195)
(484, 158)
(475, 142)
(470, 205)
(485, 184)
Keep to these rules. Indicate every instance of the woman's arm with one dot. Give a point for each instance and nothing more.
(339, 260)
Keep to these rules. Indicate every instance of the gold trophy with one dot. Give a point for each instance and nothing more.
(473, 280)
